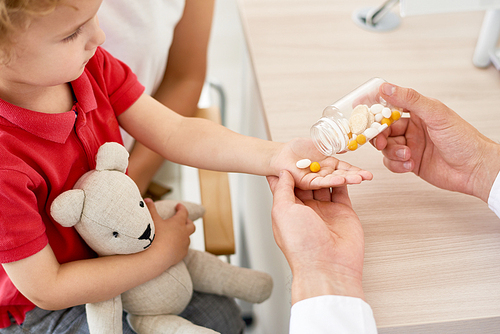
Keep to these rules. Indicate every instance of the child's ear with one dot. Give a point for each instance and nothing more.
(67, 208)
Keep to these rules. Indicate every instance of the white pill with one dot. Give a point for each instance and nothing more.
(386, 112)
(378, 117)
(370, 133)
(371, 118)
(354, 137)
(358, 123)
(360, 109)
(304, 163)
(376, 108)
(375, 125)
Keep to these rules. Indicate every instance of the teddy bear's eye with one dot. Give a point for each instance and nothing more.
(115, 234)
(141, 204)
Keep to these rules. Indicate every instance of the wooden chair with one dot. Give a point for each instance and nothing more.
(216, 198)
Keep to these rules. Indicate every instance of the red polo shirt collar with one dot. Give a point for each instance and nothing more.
(53, 127)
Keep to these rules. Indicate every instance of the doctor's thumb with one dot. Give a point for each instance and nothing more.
(410, 100)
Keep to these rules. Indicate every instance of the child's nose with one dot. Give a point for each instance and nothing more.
(98, 37)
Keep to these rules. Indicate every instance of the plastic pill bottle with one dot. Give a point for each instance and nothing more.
(354, 119)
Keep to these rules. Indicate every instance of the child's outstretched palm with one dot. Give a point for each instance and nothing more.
(333, 172)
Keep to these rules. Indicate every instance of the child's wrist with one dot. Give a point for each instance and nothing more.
(162, 255)
(274, 153)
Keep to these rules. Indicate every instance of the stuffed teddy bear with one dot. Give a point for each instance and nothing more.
(107, 210)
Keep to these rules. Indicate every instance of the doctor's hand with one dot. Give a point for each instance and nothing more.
(321, 237)
(438, 145)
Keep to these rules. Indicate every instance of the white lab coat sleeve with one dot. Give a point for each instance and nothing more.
(332, 314)
(494, 198)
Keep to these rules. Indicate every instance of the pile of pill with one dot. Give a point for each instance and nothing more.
(367, 122)
(305, 163)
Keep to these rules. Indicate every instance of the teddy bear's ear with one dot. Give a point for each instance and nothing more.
(67, 208)
(112, 156)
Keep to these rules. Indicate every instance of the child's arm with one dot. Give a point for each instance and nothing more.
(204, 144)
(51, 285)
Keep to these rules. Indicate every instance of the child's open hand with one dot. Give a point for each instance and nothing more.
(333, 172)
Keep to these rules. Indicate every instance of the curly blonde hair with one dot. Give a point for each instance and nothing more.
(15, 15)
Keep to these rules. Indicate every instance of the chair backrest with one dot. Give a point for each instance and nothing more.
(216, 198)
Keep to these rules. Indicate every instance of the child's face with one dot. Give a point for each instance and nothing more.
(56, 47)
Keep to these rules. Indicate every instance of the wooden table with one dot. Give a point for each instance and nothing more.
(432, 259)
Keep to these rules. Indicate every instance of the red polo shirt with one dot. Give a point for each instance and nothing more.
(42, 155)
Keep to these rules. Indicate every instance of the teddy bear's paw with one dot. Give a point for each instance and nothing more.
(211, 275)
(262, 287)
(165, 324)
(166, 209)
(252, 286)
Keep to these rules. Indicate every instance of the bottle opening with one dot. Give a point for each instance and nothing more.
(328, 137)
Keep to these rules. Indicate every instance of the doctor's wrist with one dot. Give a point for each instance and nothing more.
(313, 283)
(487, 172)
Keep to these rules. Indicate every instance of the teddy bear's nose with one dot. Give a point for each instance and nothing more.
(147, 233)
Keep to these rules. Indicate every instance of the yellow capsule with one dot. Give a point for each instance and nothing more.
(396, 115)
(387, 121)
(315, 167)
(353, 144)
(361, 139)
